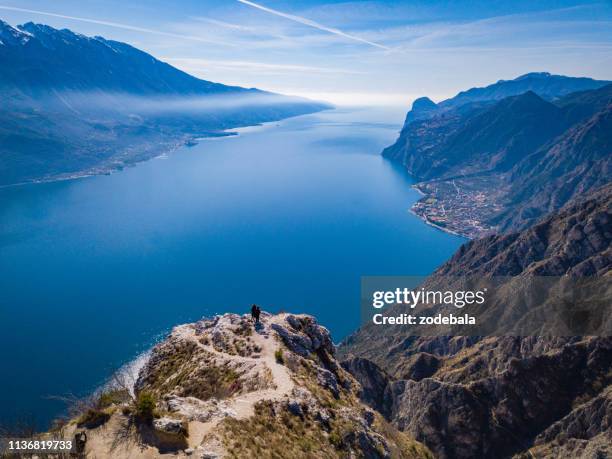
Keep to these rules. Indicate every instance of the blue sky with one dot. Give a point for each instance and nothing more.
(361, 52)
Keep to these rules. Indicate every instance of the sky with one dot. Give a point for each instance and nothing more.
(348, 52)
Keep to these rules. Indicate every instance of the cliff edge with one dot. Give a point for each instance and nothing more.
(226, 387)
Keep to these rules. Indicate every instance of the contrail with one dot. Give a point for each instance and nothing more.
(310, 23)
(116, 25)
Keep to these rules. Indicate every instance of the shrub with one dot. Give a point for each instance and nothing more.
(145, 406)
(278, 355)
(113, 397)
(93, 418)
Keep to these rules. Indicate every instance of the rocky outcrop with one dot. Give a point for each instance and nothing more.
(463, 411)
(374, 384)
(584, 433)
(226, 387)
(303, 336)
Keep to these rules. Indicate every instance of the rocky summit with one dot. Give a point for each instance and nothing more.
(226, 387)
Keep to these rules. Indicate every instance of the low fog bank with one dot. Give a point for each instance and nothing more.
(61, 134)
(98, 100)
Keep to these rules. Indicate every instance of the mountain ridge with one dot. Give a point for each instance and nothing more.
(76, 105)
(49, 63)
(475, 396)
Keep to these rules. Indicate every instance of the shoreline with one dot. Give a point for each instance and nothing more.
(118, 167)
(186, 142)
(426, 220)
(441, 228)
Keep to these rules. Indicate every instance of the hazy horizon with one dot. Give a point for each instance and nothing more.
(361, 52)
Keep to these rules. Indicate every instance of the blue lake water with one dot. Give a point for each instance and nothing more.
(288, 216)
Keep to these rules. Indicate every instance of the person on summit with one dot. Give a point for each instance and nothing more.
(80, 439)
(255, 313)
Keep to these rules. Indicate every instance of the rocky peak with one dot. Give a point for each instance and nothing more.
(533, 75)
(423, 103)
(422, 108)
(227, 387)
(12, 36)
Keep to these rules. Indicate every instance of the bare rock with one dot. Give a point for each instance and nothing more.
(170, 426)
(328, 380)
(296, 342)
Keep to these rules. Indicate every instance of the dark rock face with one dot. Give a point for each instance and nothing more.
(497, 397)
(374, 383)
(485, 140)
(577, 162)
(499, 415)
(585, 432)
(509, 160)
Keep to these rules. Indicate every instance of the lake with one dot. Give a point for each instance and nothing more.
(287, 215)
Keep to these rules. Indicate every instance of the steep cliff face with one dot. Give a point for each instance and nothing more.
(502, 396)
(223, 387)
(496, 399)
(576, 163)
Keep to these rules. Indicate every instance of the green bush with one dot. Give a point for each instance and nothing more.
(113, 397)
(92, 418)
(145, 406)
(278, 355)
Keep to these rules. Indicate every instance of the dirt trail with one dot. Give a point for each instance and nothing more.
(242, 406)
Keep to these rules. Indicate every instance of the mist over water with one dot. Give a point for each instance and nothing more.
(289, 216)
(155, 105)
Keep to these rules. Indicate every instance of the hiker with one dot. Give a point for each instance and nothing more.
(254, 314)
(257, 314)
(80, 439)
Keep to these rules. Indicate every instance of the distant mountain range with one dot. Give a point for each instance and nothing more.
(499, 157)
(73, 104)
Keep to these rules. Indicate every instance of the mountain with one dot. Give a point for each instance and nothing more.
(544, 84)
(222, 387)
(503, 396)
(74, 105)
(578, 161)
(498, 165)
(547, 86)
(491, 139)
(40, 58)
